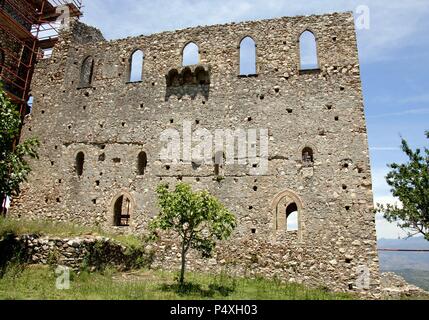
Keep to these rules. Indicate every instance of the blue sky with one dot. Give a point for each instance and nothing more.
(393, 53)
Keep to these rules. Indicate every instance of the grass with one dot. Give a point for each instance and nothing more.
(59, 229)
(38, 282)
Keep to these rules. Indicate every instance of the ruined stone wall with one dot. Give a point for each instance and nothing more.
(112, 121)
(85, 252)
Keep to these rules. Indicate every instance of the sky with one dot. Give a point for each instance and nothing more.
(393, 51)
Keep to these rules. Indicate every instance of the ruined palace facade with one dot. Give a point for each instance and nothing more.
(100, 143)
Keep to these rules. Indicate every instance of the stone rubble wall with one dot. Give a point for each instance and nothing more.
(76, 253)
(339, 267)
(394, 286)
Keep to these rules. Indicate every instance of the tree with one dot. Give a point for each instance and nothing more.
(14, 168)
(197, 217)
(410, 184)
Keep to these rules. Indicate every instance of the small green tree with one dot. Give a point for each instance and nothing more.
(197, 217)
(13, 166)
(409, 183)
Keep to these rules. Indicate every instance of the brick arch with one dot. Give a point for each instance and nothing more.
(287, 197)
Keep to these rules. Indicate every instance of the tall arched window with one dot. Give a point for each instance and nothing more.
(292, 217)
(141, 163)
(308, 51)
(307, 156)
(247, 56)
(136, 66)
(191, 55)
(80, 160)
(86, 72)
(121, 211)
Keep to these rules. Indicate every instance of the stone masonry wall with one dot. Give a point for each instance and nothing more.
(79, 252)
(112, 121)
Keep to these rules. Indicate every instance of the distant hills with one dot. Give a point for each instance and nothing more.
(412, 266)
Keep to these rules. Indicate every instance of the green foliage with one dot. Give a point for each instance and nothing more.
(409, 183)
(103, 255)
(14, 169)
(197, 217)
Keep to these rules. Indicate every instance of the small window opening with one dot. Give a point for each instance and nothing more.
(308, 51)
(307, 157)
(136, 66)
(141, 163)
(292, 217)
(80, 160)
(191, 55)
(86, 72)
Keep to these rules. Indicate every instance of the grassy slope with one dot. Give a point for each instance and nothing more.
(38, 282)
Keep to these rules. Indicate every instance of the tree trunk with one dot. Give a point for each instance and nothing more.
(182, 270)
(2, 205)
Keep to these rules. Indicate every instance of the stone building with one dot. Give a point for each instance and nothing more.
(101, 143)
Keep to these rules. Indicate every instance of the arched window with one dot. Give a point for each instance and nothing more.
(191, 55)
(141, 163)
(292, 217)
(308, 51)
(187, 76)
(307, 156)
(136, 66)
(247, 56)
(80, 160)
(173, 78)
(86, 72)
(121, 211)
(202, 76)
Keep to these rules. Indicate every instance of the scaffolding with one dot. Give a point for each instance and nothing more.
(29, 30)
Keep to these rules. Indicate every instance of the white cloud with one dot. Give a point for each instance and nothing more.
(384, 228)
(387, 230)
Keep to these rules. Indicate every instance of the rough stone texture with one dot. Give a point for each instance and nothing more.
(394, 286)
(112, 121)
(72, 252)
